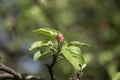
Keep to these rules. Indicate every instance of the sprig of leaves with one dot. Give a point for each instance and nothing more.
(70, 50)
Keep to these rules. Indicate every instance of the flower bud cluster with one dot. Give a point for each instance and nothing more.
(59, 37)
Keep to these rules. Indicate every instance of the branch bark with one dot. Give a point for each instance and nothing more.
(13, 75)
(5, 76)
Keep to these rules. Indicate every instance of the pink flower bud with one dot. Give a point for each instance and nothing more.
(59, 37)
(61, 40)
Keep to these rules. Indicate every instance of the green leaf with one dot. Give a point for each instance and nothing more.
(38, 55)
(77, 43)
(116, 76)
(48, 32)
(39, 44)
(74, 56)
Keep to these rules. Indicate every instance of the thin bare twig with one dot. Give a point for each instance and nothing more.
(6, 76)
(10, 71)
(13, 75)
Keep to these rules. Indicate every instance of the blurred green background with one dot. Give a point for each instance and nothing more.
(96, 22)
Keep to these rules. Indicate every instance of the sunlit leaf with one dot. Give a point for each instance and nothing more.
(77, 43)
(48, 32)
(73, 55)
(116, 76)
(83, 66)
(38, 55)
(39, 44)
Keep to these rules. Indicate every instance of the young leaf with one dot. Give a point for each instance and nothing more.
(73, 55)
(83, 66)
(116, 76)
(39, 44)
(38, 55)
(48, 32)
(77, 43)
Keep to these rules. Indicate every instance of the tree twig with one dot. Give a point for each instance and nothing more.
(13, 75)
(10, 71)
(50, 67)
(6, 76)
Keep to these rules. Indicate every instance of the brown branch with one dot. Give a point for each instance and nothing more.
(6, 76)
(50, 67)
(13, 75)
(10, 71)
